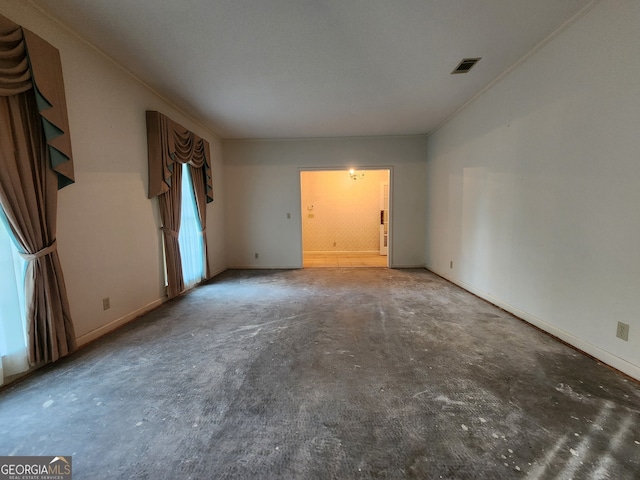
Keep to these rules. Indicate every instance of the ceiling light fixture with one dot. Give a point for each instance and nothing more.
(355, 175)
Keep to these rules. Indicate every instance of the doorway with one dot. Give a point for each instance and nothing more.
(345, 217)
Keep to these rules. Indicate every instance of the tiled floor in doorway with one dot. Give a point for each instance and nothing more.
(343, 259)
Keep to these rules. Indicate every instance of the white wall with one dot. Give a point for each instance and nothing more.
(262, 185)
(533, 189)
(108, 231)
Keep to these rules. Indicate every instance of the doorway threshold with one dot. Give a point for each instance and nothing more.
(343, 259)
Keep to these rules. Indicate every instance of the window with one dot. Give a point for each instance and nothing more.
(190, 237)
(13, 343)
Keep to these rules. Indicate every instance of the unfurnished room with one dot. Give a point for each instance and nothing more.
(319, 239)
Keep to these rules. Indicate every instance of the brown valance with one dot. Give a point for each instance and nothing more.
(26, 62)
(35, 161)
(170, 143)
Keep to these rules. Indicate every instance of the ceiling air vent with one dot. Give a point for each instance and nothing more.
(465, 65)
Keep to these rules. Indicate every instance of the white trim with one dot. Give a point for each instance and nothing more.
(109, 327)
(216, 273)
(329, 138)
(213, 130)
(579, 14)
(388, 168)
(602, 355)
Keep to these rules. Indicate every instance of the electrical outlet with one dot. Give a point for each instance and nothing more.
(255, 255)
(623, 331)
(451, 264)
(288, 216)
(106, 303)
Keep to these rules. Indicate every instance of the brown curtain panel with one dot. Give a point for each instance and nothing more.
(34, 163)
(170, 145)
(170, 203)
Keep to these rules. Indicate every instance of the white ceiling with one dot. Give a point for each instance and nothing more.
(315, 68)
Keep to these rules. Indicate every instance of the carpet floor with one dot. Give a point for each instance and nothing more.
(328, 373)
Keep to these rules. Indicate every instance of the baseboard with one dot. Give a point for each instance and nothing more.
(215, 273)
(109, 327)
(298, 267)
(600, 354)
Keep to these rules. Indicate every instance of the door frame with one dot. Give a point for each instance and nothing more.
(345, 169)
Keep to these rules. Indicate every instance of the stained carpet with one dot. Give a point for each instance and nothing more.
(328, 373)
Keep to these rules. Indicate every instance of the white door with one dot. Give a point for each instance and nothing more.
(384, 218)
